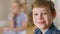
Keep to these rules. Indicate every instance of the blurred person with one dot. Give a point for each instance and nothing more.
(17, 20)
(42, 15)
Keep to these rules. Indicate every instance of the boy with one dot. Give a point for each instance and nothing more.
(43, 14)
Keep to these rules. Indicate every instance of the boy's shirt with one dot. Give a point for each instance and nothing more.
(51, 30)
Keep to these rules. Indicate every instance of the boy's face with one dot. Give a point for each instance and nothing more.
(15, 8)
(42, 17)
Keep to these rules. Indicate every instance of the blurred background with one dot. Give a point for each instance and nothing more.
(5, 10)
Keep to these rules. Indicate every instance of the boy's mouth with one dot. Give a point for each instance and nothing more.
(41, 22)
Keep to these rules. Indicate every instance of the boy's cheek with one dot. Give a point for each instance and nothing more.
(35, 20)
(48, 19)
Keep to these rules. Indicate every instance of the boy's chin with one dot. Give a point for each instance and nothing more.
(41, 26)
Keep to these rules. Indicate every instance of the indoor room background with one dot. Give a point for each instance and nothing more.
(5, 10)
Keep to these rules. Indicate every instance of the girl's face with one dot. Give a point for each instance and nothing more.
(15, 8)
(42, 17)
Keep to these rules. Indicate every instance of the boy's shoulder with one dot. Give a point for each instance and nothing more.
(57, 31)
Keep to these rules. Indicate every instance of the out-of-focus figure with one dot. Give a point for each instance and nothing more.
(17, 20)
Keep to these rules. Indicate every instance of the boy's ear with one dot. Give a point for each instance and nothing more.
(54, 14)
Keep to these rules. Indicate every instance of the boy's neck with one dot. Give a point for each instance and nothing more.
(44, 31)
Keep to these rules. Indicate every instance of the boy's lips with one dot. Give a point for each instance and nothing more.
(41, 22)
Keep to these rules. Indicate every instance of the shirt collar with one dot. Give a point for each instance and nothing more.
(50, 30)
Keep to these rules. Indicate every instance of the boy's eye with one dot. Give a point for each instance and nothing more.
(45, 13)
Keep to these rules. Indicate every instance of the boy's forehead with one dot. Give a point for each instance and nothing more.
(39, 9)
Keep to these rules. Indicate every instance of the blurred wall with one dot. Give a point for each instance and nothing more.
(4, 9)
(57, 6)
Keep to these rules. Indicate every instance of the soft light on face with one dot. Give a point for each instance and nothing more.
(15, 8)
(42, 17)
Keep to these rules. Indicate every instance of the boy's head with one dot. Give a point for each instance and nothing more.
(15, 7)
(44, 3)
(43, 13)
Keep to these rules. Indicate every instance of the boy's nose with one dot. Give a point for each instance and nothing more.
(41, 16)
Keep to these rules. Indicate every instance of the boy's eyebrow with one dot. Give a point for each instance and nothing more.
(46, 11)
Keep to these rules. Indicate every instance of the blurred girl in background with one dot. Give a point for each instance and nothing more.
(17, 20)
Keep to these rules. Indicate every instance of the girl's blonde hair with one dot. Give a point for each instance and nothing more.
(17, 2)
